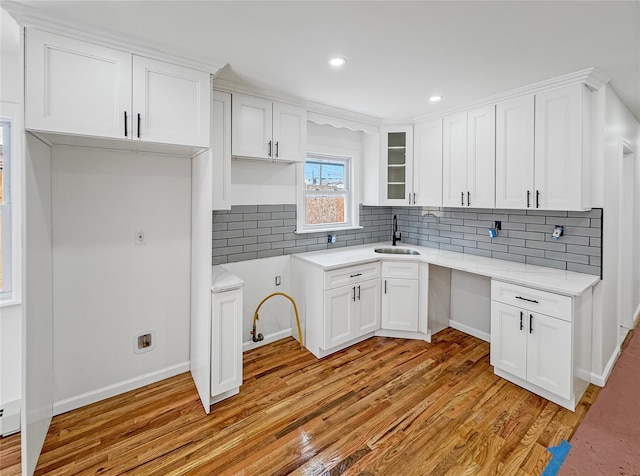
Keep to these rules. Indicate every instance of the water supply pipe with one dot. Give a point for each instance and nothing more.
(259, 337)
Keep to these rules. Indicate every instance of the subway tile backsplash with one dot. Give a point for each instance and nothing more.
(260, 231)
(525, 236)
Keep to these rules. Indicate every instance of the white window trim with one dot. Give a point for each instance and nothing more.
(354, 174)
(13, 112)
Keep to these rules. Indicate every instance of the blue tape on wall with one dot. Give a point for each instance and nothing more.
(558, 455)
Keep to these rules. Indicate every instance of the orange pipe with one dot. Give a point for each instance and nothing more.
(295, 310)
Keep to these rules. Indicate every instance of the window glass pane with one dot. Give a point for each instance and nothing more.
(319, 210)
(324, 175)
(5, 203)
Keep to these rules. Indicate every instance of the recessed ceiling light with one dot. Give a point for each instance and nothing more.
(337, 61)
(435, 98)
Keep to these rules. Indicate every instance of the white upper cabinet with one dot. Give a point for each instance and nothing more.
(75, 87)
(397, 165)
(541, 159)
(514, 153)
(427, 163)
(80, 88)
(561, 165)
(469, 159)
(170, 103)
(266, 130)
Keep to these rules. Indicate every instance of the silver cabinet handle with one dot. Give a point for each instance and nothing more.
(277, 148)
(462, 199)
(358, 293)
(385, 286)
(354, 293)
(530, 323)
(269, 153)
(521, 314)
(468, 199)
(414, 198)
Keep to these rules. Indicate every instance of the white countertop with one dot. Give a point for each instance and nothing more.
(222, 280)
(539, 277)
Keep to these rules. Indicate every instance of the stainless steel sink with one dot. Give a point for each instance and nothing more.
(397, 251)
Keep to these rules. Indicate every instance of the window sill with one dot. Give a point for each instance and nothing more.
(10, 302)
(326, 230)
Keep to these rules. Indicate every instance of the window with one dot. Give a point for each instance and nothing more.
(327, 194)
(10, 258)
(5, 208)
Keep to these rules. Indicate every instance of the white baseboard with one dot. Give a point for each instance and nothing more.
(77, 401)
(10, 418)
(267, 340)
(601, 380)
(404, 334)
(485, 336)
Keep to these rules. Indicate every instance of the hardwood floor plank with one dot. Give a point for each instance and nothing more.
(383, 406)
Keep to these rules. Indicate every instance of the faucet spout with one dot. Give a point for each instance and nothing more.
(396, 235)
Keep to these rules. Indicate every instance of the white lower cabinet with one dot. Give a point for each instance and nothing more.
(226, 342)
(541, 341)
(532, 346)
(351, 311)
(400, 296)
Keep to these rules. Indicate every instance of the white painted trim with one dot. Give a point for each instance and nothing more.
(591, 77)
(485, 336)
(10, 419)
(601, 380)
(77, 401)
(268, 339)
(315, 111)
(404, 334)
(31, 17)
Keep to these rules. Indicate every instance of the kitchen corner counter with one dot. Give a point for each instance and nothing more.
(548, 279)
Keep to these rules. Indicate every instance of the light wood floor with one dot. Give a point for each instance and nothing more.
(382, 407)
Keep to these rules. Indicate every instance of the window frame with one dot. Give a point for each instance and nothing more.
(351, 206)
(11, 226)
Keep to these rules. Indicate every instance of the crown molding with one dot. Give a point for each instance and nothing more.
(593, 78)
(30, 17)
(318, 113)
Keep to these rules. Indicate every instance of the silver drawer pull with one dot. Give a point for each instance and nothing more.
(525, 299)
(356, 275)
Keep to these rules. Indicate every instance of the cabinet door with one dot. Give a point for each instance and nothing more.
(454, 160)
(509, 326)
(76, 87)
(339, 308)
(481, 157)
(368, 303)
(226, 341)
(171, 104)
(514, 153)
(558, 149)
(549, 354)
(400, 304)
(397, 164)
(251, 127)
(289, 132)
(221, 149)
(427, 164)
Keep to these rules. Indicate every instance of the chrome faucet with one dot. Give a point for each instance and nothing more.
(396, 234)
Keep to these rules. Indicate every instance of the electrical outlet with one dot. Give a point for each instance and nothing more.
(278, 280)
(331, 238)
(138, 238)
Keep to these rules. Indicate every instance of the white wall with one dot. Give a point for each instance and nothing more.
(107, 290)
(614, 121)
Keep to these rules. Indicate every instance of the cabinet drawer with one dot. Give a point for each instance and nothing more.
(352, 274)
(523, 297)
(397, 269)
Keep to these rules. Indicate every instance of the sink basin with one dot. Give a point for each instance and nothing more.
(397, 251)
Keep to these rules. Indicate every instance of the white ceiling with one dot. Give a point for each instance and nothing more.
(398, 53)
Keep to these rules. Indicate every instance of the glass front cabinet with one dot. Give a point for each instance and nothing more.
(397, 165)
